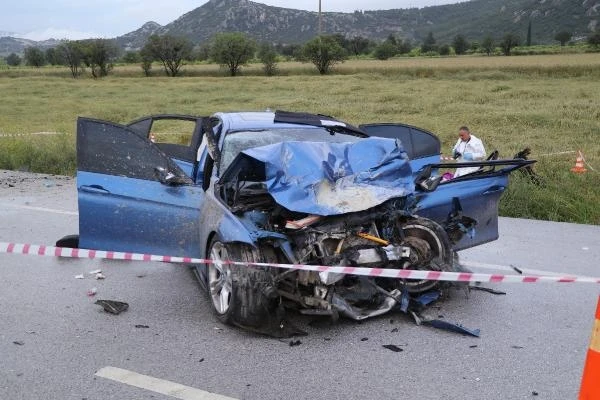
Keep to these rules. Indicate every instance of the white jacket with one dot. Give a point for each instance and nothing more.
(471, 150)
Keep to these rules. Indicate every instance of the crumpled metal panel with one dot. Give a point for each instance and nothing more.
(334, 178)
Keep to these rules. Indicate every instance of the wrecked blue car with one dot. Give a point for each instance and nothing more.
(283, 187)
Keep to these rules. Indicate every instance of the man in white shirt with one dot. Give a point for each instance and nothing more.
(467, 148)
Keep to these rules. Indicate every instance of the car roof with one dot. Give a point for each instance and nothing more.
(234, 121)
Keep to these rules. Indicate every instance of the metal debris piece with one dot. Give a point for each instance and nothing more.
(487, 289)
(113, 306)
(394, 330)
(295, 343)
(472, 346)
(439, 324)
(19, 342)
(364, 339)
(142, 326)
(516, 269)
(393, 348)
(517, 347)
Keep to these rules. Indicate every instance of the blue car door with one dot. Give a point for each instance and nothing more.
(476, 197)
(422, 147)
(132, 197)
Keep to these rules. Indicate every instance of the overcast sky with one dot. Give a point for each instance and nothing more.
(78, 19)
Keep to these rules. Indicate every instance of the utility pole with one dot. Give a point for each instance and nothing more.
(320, 19)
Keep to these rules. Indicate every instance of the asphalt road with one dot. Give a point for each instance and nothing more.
(54, 339)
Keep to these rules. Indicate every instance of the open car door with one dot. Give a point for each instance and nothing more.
(131, 195)
(475, 196)
(422, 147)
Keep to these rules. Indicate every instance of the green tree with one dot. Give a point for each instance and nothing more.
(428, 44)
(444, 50)
(385, 50)
(132, 57)
(563, 37)
(34, 57)
(53, 56)
(324, 52)
(488, 45)
(509, 41)
(71, 54)
(359, 45)
(594, 39)
(171, 51)
(460, 44)
(232, 50)
(268, 57)
(99, 55)
(146, 59)
(13, 60)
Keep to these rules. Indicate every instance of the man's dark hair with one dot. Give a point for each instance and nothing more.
(464, 128)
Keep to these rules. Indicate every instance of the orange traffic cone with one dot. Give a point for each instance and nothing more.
(579, 168)
(590, 383)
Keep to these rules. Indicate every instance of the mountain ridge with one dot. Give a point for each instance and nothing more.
(474, 19)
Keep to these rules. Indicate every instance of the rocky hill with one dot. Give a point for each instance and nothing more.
(475, 19)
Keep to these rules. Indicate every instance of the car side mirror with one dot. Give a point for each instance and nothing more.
(425, 181)
(166, 177)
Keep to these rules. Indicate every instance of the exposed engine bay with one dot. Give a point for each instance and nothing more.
(386, 236)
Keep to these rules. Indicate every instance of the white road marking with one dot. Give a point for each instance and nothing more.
(156, 385)
(42, 209)
(526, 271)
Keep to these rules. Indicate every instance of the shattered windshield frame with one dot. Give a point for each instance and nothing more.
(237, 141)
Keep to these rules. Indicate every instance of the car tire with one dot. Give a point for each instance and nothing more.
(240, 295)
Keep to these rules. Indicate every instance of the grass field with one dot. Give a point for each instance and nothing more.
(548, 103)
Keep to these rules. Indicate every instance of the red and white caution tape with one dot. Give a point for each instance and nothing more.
(40, 250)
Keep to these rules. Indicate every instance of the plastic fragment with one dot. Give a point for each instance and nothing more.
(142, 326)
(92, 292)
(517, 347)
(428, 297)
(394, 330)
(439, 324)
(100, 275)
(113, 306)
(404, 301)
(94, 272)
(364, 339)
(393, 348)
(80, 276)
(19, 342)
(295, 343)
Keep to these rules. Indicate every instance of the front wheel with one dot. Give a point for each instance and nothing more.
(430, 250)
(242, 295)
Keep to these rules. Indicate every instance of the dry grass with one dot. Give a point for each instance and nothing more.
(549, 103)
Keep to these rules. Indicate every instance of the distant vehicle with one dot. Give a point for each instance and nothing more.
(281, 187)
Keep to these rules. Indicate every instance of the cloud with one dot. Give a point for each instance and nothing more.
(54, 33)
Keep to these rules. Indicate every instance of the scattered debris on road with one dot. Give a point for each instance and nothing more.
(487, 289)
(113, 306)
(19, 342)
(80, 276)
(100, 275)
(449, 326)
(92, 292)
(295, 343)
(393, 348)
(142, 326)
